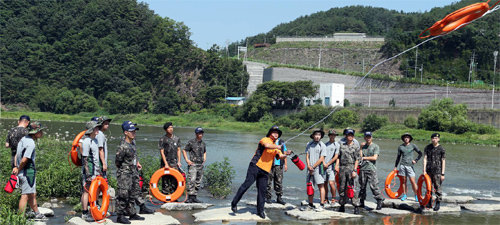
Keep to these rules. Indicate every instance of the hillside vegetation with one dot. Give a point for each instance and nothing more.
(117, 56)
(445, 58)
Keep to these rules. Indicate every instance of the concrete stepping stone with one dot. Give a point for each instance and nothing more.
(497, 199)
(175, 206)
(398, 204)
(458, 199)
(443, 209)
(481, 207)
(156, 218)
(226, 215)
(327, 206)
(391, 211)
(274, 205)
(310, 215)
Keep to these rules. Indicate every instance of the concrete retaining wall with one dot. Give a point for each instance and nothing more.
(404, 94)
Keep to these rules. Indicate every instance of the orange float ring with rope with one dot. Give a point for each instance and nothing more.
(428, 195)
(99, 184)
(75, 149)
(388, 182)
(457, 19)
(155, 190)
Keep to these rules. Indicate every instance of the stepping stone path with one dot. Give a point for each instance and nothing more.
(391, 211)
(443, 209)
(45, 211)
(481, 207)
(458, 199)
(185, 206)
(157, 219)
(274, 205)
(310, 215)
(226, 215)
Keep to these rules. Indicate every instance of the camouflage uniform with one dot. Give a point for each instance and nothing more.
(348, 154)
(368, 173)
(276, 174)
(13, 137)
(196, 150)
(169, 146)
(435, 155)
(128, 190)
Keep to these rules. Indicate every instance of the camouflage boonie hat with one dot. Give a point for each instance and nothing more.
(35, 127)
(90, 127)
(103, 119)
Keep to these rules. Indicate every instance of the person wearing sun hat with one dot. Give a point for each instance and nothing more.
(435, 165)
(259, 169)
(90, 164)
(315, 155)
(406, 162)
(332, 154)
(25, 168)
(102, 141)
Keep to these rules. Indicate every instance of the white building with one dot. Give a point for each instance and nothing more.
(330, 94)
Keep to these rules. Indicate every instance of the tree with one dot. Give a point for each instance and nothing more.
(255, 108)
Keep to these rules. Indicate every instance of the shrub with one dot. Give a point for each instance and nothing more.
(255, 108)
(346, 103)
(484, 129)
(11, 217)
(218, 178)
(344, 118)
(373, 122)
(392, 103)
(411, 122)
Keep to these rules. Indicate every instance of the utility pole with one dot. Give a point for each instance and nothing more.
(370, 95)
(471, 66)
(319, 59)
(495, 54)
(416, 58)
(343, 61)
(447, 89)
(421, 71)
(364, 67)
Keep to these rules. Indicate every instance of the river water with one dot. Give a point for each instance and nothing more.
(470, 170)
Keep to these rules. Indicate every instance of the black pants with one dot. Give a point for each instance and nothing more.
(254, 173)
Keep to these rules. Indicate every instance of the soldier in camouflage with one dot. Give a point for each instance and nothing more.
(349, 154)
(170, 157)
(276, 175)
(197, 157)
(368, 171)
(127, 172)
(434, 165)
(14, 136)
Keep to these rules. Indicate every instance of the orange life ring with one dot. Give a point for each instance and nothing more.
(456, 19)
(155, 190)
(388, 182)
(428, 194)
(75, 149)
(99, 184)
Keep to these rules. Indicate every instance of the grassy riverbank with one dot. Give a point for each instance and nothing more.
(212, 121)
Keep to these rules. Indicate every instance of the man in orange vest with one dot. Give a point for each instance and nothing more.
(259, 169)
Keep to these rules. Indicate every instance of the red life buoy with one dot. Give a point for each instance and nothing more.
(388, 182)
(456, 19)
(99, 184)
(155, 190)
(428, 195)
(75, 148)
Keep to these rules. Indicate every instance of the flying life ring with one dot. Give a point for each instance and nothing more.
(388, 182)
(155, 191)
(456, 19)
(428, 195)
(98, 212)
(75, 149)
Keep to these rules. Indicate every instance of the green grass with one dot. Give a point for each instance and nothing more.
(206, 120)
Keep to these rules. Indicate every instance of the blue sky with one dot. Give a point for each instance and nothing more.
(220, 21)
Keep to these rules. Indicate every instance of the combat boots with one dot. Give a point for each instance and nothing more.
(196, 200)
(145, 210)
(279, 200)
(122, 219)
(362, 203)
(190, 199)
(437, 206)
(136, 217)
(379, 204)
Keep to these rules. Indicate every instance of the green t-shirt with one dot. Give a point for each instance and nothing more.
(405, 154)
(368, 151)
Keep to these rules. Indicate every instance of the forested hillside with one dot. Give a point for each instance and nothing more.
(113, 55)
(445, 58)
